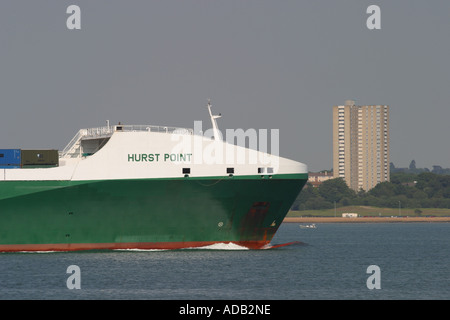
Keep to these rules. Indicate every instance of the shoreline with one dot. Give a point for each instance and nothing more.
(364, 219)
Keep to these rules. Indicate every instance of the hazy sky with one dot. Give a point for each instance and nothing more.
(265, 64)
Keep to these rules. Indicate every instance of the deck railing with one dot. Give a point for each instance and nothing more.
(163, 129)
(107, 131)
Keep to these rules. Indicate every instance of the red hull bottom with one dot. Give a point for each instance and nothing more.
(124, 246)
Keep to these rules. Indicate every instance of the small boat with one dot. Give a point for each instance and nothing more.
(309, 226)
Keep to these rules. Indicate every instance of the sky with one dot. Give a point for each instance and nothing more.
(265, 64)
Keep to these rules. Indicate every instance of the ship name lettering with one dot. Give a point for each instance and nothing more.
(177, 157)
(155, 157)
(143, 157)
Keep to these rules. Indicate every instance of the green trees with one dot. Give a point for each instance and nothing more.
(334, 190)
(408, 190)
(325, 196)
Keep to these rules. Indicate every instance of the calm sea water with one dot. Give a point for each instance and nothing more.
(330, 263)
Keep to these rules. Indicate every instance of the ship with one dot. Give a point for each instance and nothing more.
(143, 187)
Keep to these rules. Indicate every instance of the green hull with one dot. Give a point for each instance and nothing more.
(144, 213)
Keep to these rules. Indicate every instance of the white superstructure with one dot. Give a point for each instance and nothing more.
(145, 151)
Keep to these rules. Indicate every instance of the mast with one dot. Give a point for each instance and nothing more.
(216, 132)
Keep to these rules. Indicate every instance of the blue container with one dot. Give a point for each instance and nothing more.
(9, 158)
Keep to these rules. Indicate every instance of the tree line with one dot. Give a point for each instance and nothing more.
(413, 169)
(408, 190)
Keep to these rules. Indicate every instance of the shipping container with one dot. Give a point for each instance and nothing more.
(10, 158)
(39, 158)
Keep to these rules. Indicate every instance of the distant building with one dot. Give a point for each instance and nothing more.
(349, 215)
(316, 178)
(361, 144)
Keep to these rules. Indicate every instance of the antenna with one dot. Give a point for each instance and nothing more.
(217, 134)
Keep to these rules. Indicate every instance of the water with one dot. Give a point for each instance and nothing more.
(330, 263)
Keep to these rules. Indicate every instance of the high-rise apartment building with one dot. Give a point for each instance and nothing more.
(361, 144)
